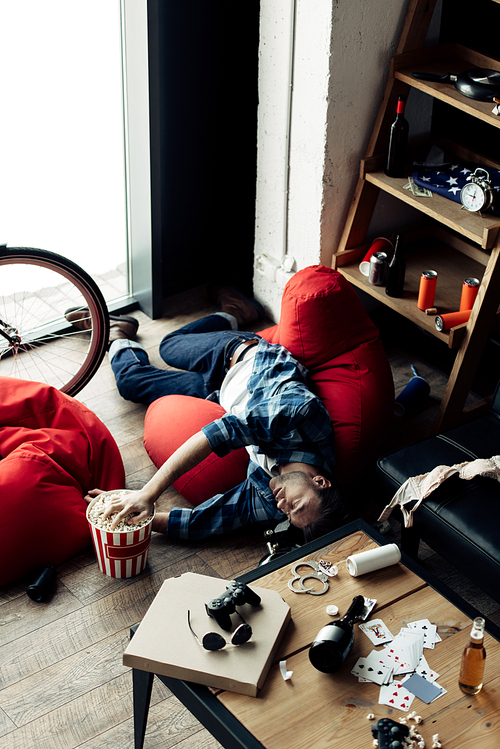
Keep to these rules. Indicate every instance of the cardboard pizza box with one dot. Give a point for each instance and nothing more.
(164, 644)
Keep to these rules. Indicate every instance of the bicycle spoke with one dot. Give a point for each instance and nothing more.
(36, 289)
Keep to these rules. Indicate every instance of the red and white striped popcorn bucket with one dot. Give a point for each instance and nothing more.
(120, 553)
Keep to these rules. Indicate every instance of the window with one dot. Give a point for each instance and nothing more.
(62, 155)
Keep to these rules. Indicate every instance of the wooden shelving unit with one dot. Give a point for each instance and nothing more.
(446, 254)
(448, 58)
(454, 242)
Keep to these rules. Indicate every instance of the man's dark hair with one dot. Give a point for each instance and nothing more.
(334, 513)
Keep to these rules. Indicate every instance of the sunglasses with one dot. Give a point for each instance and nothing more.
(215, 641)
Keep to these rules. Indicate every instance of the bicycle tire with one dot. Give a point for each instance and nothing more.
(45, 347)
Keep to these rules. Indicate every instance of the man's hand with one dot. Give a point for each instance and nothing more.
(141, 503)
(138, 504)
(93, 493)
(160, 521)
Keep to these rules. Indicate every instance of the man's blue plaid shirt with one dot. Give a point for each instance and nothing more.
(284, 421)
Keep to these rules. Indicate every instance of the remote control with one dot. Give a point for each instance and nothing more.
(236, 594)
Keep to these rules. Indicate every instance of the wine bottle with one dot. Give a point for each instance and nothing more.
(44, 585)
(334, 641)
(470, 680)
(398, 141)
(396, 270)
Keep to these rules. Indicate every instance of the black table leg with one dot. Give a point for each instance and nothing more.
(142, 685)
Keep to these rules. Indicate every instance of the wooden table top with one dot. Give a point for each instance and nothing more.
(330, 710)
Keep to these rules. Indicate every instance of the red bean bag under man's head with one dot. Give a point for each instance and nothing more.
(52, 451)
(325, 326)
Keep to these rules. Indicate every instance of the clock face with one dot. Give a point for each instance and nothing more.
(473, 196)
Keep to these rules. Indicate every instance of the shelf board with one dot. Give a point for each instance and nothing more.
(449, 58)
(427, 253)
(483, 230)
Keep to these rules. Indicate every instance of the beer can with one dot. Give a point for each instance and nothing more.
(378, 245)
(470, 288)
(378, 269)
(427, 289)
(445, 322)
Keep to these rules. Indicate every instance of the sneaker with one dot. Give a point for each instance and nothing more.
(234, 302)
(120, 326)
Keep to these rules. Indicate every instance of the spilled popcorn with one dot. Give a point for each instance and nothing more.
(415, 740)
(97, 509)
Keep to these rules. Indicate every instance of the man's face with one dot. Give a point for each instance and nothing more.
(295, 495)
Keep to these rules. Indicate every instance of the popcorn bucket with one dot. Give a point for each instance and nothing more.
(120, 553)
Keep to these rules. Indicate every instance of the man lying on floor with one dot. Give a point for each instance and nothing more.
(269, 410)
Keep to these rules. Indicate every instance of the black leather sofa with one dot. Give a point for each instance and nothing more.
(460, 520)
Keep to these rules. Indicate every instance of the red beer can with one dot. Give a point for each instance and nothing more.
(445, 322)
(427, 289)
(381, 244)
(469, 293)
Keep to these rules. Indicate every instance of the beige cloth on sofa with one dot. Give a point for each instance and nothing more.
(417, 488)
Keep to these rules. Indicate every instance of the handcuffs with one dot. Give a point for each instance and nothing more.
(321, 571)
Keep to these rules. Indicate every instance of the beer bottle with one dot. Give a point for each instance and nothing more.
(396, 270)
(472, 668)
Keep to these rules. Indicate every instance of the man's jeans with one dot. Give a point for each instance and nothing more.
(203, 349)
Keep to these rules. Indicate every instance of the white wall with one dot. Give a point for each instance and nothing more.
(323, 67)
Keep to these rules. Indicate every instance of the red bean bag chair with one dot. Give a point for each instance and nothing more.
(325, 326)
(52, 451)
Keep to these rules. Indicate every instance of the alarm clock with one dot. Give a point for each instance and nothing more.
(477, 194)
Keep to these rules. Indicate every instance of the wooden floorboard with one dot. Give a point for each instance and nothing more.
(62, 682)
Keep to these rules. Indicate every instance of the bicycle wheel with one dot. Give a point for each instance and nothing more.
(36, 341)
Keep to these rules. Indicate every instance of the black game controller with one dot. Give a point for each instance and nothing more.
(390, 734)
(236, 594)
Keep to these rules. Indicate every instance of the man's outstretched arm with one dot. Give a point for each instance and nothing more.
(187, 456)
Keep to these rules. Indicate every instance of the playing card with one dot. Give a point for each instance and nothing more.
(371, 669)
(412, 638)
(406, 648)
(390, 658)
(412, 642)
(359, 668)
(425, 690)
(376, 631)
(443, 691)
(425, 670)
(396, 695)
(403, 668)
(428, 629)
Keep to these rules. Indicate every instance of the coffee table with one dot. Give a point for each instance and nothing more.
(330, 710)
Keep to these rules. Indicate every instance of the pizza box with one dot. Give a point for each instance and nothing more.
(164, 644)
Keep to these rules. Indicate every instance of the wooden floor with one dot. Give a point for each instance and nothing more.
(62, 682)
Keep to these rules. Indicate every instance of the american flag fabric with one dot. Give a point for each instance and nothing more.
(448, 179)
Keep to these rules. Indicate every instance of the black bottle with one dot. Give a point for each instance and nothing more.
(333, 643)
(398, 140)
(396, 270)
(44, 585)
